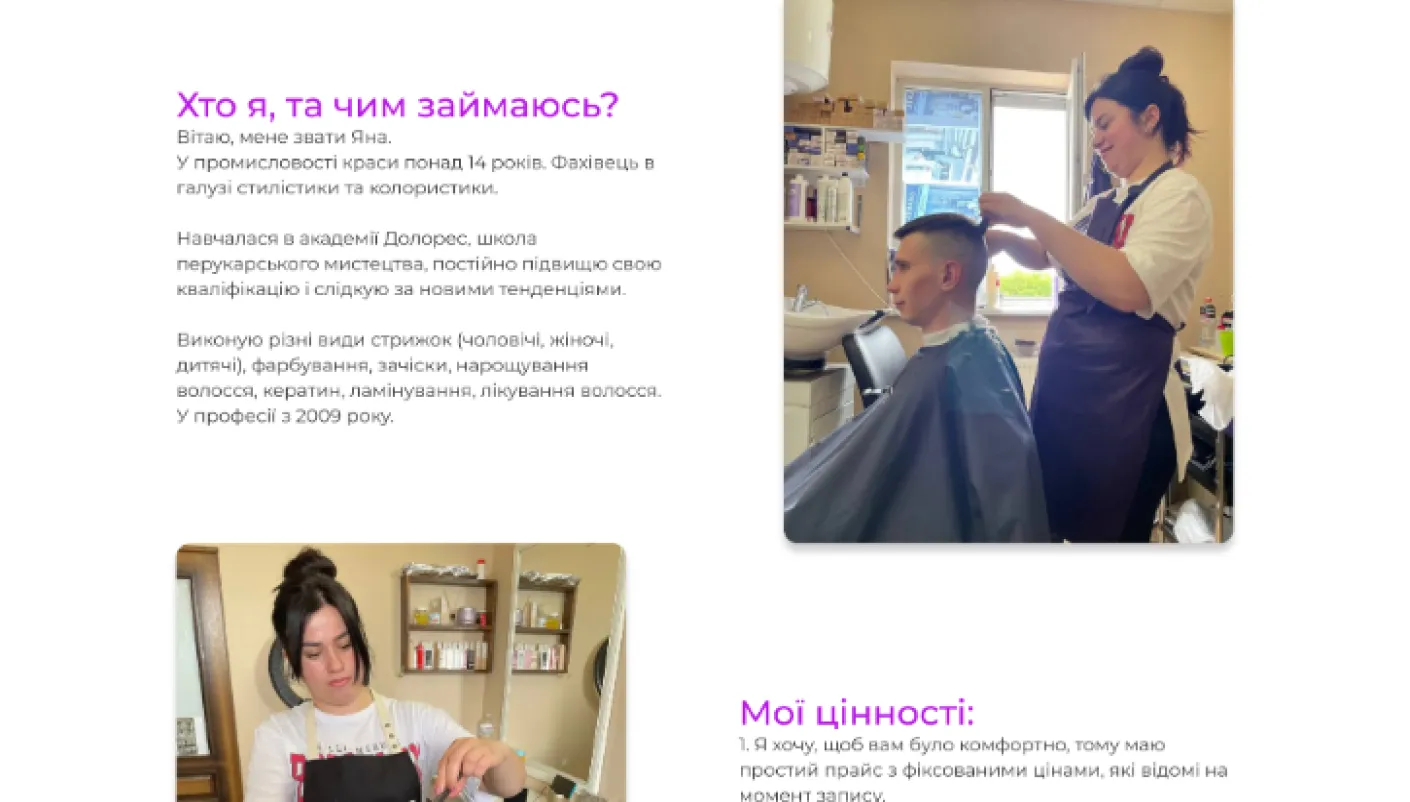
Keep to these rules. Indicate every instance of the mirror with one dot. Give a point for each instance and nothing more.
(279, 676)
(563, 656)
(599, 667)
(192, 739)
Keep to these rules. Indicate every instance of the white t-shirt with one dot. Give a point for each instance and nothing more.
(1168, 236)
(277, 761)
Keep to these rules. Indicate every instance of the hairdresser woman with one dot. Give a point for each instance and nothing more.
(1109, 413)
(350, 744)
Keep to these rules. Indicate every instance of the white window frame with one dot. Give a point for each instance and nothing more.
(985, 81)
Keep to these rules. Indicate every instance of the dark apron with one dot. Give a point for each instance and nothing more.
(1101, 379)
(360, 778)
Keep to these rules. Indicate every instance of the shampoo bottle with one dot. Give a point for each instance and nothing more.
(797, 198)
(844, 200)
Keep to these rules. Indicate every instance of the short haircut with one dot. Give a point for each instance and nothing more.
(310, 582)
(953, 236)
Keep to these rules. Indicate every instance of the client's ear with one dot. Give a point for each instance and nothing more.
(951, 272)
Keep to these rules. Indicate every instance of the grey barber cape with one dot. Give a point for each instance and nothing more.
(947, 457)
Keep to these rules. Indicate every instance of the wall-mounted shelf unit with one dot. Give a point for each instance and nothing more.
(563, 633)
(793, 225)
(886, 136)
(803, 138)
(482, 594)
(857, 175)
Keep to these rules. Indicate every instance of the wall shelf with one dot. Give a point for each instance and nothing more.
(857, 175)
(456, 581)
(815, 173)
(793, 225)
(408, 672)
(885, 135)
(408, 625)
(564, 633)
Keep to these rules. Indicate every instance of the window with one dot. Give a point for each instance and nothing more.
(1030, 162)
(970, 131)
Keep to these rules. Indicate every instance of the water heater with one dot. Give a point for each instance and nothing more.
(807, 45)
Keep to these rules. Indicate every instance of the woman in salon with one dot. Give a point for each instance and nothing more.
(1109, 413)
(351, 744)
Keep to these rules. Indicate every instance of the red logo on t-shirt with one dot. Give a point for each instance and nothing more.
(296, 770)
(1122, 229)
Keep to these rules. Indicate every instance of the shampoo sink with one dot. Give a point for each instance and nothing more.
(818, 328)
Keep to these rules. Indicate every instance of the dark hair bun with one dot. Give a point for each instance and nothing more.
(1147, 59)
(308, 564)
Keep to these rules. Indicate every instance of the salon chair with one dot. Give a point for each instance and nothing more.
(877, 357)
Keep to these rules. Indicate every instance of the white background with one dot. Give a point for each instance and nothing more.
(1280, 656)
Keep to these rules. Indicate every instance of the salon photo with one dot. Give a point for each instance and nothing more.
(400, 672)
(1008, 271)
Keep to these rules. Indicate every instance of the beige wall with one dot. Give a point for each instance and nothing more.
(371, 573)
(1035, 35)
(553, 717)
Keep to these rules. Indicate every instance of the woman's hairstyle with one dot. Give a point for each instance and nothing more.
(1137, 85)
(310, 582)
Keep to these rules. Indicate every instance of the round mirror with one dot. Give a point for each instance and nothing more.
(599, 666)
(279, 677)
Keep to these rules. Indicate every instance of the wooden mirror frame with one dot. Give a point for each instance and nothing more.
(214, 777)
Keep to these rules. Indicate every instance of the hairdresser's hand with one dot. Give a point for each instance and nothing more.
(466, 758)
(998, 241)
(1003, 209)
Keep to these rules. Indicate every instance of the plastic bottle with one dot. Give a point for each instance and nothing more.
(480, 569)
(827, 200)
(797, 197)
(485, 729)
(844, 200)
(1207, 323)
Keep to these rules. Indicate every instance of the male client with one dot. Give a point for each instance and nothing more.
(948, 456)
